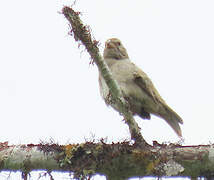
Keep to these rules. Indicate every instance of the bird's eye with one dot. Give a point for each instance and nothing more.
(118, 43)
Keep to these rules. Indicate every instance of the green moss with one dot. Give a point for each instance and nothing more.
(198, 168)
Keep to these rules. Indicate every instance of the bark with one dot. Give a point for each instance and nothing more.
(115, 161)
(82, 34)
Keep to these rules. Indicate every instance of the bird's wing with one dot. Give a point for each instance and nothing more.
(143, 81)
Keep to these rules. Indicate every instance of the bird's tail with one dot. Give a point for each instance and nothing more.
(173, 119)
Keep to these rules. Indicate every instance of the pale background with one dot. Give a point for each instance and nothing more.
(48, 90)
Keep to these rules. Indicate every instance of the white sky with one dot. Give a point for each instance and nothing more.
(49, 90)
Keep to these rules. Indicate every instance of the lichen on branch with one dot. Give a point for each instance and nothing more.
(116, 161)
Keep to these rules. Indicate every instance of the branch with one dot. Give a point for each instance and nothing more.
(82, 33)
(116, 161)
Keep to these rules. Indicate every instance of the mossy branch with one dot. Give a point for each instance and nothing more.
(82, 33)
(115, 161)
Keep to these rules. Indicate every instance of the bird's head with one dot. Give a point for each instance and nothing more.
(114, 49)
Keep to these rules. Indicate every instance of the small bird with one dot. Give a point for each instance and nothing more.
(137, 89)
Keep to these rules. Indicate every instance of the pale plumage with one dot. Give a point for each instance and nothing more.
(136, 86)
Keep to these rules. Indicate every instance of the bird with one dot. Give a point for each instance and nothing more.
(136, 87)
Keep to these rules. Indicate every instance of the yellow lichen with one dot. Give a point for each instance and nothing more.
(68, 150)
(150, 167)
(140, 155)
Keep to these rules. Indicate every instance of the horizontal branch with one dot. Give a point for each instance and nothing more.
(119, 161)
